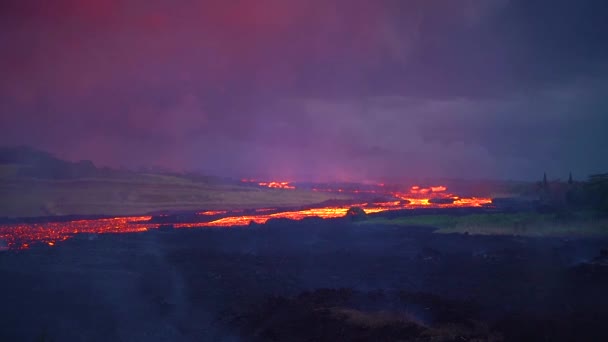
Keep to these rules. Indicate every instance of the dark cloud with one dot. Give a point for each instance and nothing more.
(310, 89)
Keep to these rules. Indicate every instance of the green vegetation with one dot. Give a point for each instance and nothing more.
(524, 224)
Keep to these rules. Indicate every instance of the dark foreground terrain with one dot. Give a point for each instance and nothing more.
(306, 281)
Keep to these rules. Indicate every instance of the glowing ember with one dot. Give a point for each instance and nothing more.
(417, 201)
(438, 196)
(265, 210)
(213, 212)
(21, 236)
(272, 184)
(277, 185)
(472, 202)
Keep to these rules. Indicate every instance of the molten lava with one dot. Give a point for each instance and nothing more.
(22, 236)
(213, 212)
(277, 185)
(328, 212)
(415, 197)
(439, 197)
(271, 184)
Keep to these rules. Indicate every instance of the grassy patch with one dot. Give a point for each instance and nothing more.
(525, 224)
(138, 194)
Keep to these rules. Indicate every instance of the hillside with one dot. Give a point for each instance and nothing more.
(34, 183)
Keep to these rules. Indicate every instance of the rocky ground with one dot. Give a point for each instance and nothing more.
(306, 281)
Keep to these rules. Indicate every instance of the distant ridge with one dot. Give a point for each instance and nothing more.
(34, 183)
(31, 162)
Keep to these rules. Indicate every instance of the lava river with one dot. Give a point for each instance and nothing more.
(24, 235)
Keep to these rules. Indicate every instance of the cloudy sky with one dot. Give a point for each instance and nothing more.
(311, 90)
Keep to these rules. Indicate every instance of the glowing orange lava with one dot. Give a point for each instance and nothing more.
(416, 197)
(472, 202)
(277, 185)
(22, 236)
(439, 197)
(329, 212)
(271, 184)
(265, 210)
(213, 212)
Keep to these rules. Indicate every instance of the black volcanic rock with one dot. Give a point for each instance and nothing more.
(601, 260)
(381, 199)
(428, 254)
(344, 314)
(279, 221)
(596, 267)
(313, 220)
(253, 224)
(356, 214)
(166, 227)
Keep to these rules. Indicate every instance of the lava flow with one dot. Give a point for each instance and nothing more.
(273, 184)
(213, 212)
(22, 236)
(416, 197)
(277, 185)
(327, 212)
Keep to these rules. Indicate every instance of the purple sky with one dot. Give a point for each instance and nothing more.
(311, 90)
